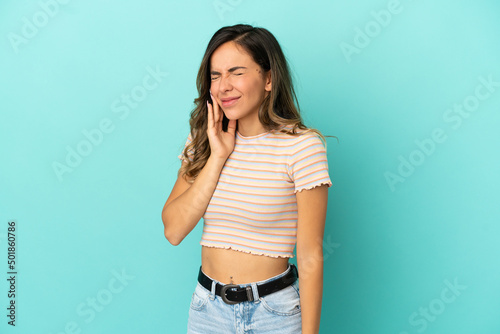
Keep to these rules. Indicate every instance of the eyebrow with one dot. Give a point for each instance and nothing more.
(232, 69)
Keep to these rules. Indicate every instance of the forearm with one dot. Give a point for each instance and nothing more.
(183, 213)
(311, 291)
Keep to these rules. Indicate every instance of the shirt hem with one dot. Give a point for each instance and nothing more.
(328, 183)
(247, 251)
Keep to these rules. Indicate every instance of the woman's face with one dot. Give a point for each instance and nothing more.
(237, 82)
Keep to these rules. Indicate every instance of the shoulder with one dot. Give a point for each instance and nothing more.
(306, 141)
(190, 151)
(295, 146)
(301, 136)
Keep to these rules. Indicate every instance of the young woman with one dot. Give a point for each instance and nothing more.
(259, 178)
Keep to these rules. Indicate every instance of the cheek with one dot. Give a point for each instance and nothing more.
(255, 86)
(249, 89)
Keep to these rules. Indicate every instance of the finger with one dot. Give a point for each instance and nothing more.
(219, 118)
(231, 126)
(215, 108)
(217, 114)
(210, 123)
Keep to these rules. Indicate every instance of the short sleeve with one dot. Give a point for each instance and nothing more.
(188, 141)
(308, 164)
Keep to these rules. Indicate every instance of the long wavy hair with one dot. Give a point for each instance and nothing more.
(278, 108)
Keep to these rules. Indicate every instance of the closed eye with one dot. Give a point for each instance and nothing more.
(213, 78)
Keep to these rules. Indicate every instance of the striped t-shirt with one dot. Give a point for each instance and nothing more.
(254, 208)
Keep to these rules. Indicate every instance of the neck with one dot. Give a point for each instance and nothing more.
(248, 128)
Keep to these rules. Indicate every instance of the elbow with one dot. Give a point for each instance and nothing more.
(171, 237)
(173, 241)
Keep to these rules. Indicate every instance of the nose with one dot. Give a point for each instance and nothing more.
(225, 83)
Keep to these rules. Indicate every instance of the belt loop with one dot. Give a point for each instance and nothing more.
(212, 291)
(256, 296)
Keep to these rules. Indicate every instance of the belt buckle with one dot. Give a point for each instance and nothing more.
(223, 293)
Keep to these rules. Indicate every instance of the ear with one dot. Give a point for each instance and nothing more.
(268, 81)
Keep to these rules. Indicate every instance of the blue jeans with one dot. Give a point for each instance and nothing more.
(276, 313)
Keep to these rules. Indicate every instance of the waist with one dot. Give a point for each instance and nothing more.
(230, 266)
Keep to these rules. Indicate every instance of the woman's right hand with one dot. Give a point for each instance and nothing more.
(221, 143)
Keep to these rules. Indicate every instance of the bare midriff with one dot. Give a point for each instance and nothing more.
(230, 266)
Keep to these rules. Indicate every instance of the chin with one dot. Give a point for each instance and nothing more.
(231, 115)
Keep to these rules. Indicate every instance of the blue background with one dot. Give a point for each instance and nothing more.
(392, 251)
